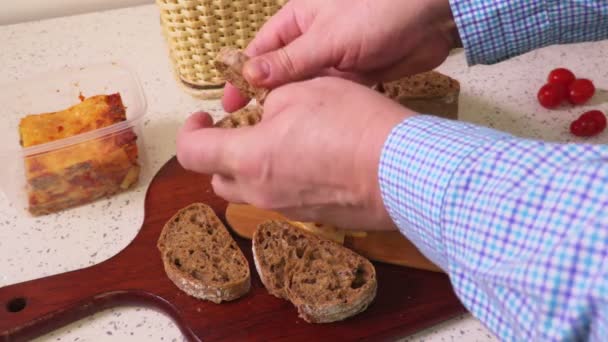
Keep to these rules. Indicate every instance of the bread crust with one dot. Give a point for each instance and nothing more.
(197, 288)
(329, 311)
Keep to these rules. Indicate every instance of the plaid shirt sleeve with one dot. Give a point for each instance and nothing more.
(520, 226)
(493, 31)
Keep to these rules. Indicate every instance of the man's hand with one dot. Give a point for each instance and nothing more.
(362, 40)
(313, 157)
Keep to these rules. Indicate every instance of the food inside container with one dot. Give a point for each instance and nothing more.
(85, 171)
(78, 141)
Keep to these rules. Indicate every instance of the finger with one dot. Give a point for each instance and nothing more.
(227, 189)
(294, 62)
(278, 31)
(197, 121)
(232, 100)
(208, 150)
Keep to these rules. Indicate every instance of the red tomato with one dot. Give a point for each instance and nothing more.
(583, 128)
(597, 116)
(588, 124)
(580, 91)
(561, 76)
(551, 95)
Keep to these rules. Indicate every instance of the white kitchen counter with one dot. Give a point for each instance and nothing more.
(27, 10)
(33, 248)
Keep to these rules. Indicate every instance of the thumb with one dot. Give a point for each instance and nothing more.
(197, 121)
(294, 62)
(203, 149)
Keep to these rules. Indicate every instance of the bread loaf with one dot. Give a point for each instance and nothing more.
(427, 93)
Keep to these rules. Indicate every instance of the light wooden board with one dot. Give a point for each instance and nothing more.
(389, 247)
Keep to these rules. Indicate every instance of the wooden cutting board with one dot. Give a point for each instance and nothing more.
(389, 247)
(408, 299)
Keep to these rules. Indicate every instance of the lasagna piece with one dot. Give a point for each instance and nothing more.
(86, 170)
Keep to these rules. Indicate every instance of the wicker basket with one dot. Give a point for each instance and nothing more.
(195, 30)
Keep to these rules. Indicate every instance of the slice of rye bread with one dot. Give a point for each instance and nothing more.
(428, 93)
(201, 258)
(247, 116)
(230, 62)
(324, 280)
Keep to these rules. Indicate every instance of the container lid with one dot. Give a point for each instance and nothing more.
(59, 90)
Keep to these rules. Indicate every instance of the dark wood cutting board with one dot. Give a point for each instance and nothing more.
(408, 299)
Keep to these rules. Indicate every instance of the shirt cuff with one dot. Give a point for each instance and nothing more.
(419, 158)
(493, 31)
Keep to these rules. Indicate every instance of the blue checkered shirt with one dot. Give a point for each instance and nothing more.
(519, 225)
(492, 31)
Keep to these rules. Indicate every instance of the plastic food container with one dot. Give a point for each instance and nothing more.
(88, 164)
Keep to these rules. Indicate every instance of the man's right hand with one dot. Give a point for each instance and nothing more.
(363, 40)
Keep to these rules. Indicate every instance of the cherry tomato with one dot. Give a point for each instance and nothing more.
(597, 116)
(580, 91)
(551, 95)
(583, 128)
(561, 76)
(588, 124)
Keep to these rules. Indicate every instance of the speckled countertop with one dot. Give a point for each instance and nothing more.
(501, 96)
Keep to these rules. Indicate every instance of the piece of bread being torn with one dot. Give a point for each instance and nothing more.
(230, 62)
(428, 93)
(201, 258)
(247, 116)
(325, 281)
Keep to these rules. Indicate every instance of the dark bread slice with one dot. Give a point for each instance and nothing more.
(428, 93)
(324, 280)
(201, 258)
(430, 84)
(247, 116)
(230, 62)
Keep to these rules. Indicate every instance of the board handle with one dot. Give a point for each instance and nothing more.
(36, 307)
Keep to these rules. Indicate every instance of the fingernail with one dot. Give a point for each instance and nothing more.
(257, 70)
